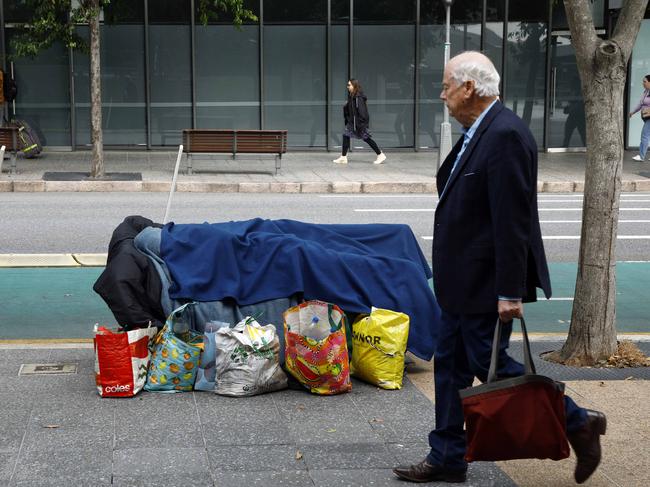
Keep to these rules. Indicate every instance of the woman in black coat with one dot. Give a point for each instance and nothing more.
(355, 113)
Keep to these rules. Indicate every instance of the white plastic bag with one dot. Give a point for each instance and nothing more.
(247, 360)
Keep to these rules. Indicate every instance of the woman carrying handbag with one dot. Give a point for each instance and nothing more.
(644, 107)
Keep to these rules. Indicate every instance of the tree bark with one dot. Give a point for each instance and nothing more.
(603, 66)
(97, 170)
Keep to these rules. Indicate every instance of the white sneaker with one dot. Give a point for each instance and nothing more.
(341, 160)
(637, 158)
(381, 157)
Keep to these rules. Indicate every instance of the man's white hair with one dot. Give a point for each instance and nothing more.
(477, 68)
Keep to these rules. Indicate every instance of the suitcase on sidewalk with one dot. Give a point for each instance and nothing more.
(29, 143)
(28, 140)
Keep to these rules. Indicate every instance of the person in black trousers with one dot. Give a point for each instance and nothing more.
(355, 113)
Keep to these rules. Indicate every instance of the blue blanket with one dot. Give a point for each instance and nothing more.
(353, 266)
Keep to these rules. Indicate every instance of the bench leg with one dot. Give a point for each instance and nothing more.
(278, 162)
(189, 164)
(13, 163)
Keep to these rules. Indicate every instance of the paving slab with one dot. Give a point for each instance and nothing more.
(170, 461)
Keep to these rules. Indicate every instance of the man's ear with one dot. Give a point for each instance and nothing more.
(469, 88)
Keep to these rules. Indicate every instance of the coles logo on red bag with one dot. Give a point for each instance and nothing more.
(117, 388)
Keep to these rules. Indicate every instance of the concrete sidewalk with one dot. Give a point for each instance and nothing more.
(301, 172)
(55, 430)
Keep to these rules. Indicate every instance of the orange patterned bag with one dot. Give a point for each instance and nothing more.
(316, 351)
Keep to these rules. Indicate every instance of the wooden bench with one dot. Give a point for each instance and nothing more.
(9, 138)
(215, 141)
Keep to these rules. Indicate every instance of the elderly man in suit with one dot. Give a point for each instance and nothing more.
(488, 259)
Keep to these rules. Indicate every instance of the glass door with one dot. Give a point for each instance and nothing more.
(566, 112)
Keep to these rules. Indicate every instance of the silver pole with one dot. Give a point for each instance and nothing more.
(173, 188)
(445, 126)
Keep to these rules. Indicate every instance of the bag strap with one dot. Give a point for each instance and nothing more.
(529, 365)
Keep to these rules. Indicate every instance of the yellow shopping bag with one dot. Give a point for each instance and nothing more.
(379, 343)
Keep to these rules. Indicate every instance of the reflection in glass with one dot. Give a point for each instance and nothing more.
(122, 78)
(493, 34)
(169, 65)
(294, 85)
(383, 64)
(463, 37)
(338, 82)
(43, 98)
(227, 77)
(566, 115)
(526, 60)
(169, 70)
(639, 67)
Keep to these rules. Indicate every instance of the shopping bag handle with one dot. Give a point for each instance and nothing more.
(529, 365)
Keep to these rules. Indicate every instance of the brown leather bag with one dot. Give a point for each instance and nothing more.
(645, 113)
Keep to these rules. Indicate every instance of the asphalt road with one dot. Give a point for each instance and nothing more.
(83, 222)
(61, 300)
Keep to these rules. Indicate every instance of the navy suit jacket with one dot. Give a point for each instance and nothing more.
(487, 239)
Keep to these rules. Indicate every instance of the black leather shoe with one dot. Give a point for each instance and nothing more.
(586, 444)
(423, 472)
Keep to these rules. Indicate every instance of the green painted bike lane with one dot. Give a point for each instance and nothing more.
(45, 303)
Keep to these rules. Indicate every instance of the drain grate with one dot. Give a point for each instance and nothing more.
(47, 369)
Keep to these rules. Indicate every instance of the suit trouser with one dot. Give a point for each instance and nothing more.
(463, 352)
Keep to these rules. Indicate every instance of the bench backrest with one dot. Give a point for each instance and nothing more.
(9, 138)
(234, 141)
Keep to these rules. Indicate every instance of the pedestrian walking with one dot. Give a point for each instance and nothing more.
(488, 258)
(357, 120)
(644, 108)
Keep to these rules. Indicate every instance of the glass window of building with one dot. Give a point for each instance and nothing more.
(122, 78)
(43, 99)
(493, 33)
(294, 70)
(16, 11)
(639, 67)
(339, 65)
(465, 35)
(169, 70)
(525, 75)
(227, 73)
(384, 63)
(340, 11)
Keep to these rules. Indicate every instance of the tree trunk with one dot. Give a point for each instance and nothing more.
(592, 333)
(97, 170)
(603, 66)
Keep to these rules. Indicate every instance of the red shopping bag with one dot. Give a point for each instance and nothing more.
(519, 417)
(121, 360)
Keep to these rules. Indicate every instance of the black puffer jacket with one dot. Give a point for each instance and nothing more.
(130, 284)
(355, 113)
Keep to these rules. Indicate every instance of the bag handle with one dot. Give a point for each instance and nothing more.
(529, 365)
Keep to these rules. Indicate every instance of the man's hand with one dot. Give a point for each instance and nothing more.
(509, 310)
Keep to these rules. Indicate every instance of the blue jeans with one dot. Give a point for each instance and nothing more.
(463, 352)
(645, 138)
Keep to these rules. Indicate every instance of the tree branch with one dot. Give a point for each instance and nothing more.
(583, 32)
(628, 24)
